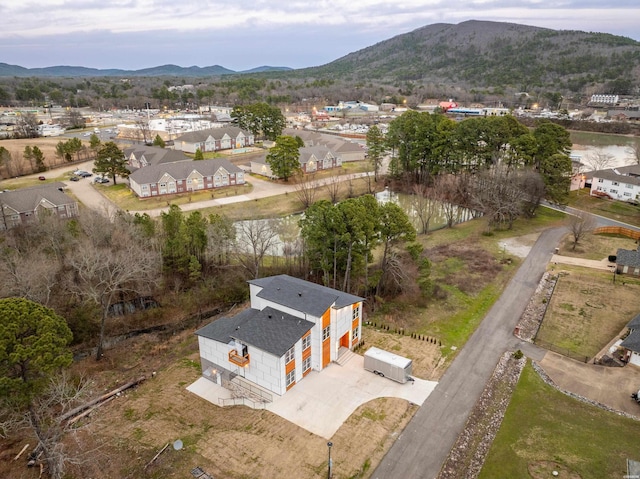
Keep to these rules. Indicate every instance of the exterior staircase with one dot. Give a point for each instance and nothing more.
(344, 355)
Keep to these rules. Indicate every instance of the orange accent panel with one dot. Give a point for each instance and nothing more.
(344, 340)
(326, 318)
(306, 372)
(290, 366)
(291, 385)
(326, 352)
(306, 353)
(355, 323)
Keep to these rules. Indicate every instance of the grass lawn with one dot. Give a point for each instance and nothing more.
(595, 246)
(122, 196)
(541, 424)
(617, 210)
(587, 310)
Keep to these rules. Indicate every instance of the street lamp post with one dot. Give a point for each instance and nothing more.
(329, 444)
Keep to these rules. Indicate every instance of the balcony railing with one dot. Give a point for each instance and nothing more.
(235, 358)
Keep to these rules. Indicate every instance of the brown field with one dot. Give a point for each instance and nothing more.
(587, 310)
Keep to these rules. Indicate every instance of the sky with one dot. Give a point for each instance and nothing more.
(243, 34)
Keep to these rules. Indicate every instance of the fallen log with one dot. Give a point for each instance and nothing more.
(79, 409)
(20, 453)
(88, 411)
(156, 456)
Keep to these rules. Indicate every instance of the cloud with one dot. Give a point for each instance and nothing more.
(241, 34)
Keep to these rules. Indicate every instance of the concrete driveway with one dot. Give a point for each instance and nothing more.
(323, 401)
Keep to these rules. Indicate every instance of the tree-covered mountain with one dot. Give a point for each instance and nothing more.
(479, 54)
(159, 71)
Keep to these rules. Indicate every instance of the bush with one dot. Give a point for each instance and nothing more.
(518, 354)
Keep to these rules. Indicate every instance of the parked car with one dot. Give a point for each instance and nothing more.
(100, 179)
(85, 174)
(74, 178)
(41, 178)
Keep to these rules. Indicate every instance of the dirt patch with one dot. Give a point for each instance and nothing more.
(519, 246)
(463, 265)
(546, 469)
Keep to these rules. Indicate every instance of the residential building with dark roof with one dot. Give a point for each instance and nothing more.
(26, 205)
(628, 261)
(184, 176)
(311, 159)
(292, 327)
(213, 139)
(632, 342)
(142, 155)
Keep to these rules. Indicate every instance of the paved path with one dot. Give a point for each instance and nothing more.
(425, 443)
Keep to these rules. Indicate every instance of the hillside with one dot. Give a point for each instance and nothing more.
(492, 54)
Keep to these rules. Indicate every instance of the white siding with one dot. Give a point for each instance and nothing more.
(635, 359)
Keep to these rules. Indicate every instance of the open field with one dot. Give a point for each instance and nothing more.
(544, 430)
(587, 310)
(595, 246)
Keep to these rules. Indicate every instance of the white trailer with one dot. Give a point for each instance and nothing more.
(388, 365)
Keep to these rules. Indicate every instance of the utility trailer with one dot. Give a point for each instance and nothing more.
(388, 365)
(634, 396)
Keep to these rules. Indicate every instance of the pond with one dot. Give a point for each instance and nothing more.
(617, 146)
(283, 234)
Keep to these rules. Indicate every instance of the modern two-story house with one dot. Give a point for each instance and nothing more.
(292, 327)
(621, 183)
(213, 139)
(26, 205)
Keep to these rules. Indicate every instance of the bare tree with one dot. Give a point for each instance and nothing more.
(306, 189)
(579, 226)
(332, 184)
(105, 274)
(254, 240)
(633, 151)
(27, 126)
(143, 131)
(497, 193)
(424, 205)
(45, 418)
(598, 160)
(31, 275)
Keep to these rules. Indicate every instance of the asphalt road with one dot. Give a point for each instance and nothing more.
(422, 448)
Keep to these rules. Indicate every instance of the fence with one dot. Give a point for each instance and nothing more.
(618, 230)
(560, 350)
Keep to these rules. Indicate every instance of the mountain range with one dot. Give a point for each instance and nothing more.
(7, 70)
(471, 54)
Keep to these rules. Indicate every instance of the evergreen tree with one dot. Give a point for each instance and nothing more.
(284, 157)
(110, 161)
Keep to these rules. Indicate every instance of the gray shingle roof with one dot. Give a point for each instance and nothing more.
(626, 257)
(216, 133)
(632, 342)
(613, 176)
(182, 169)
(269, 330)
(155, 155)
(302, 295)
(26, 200)
(634, 323)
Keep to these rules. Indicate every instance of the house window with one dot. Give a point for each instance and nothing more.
(291, 378)
(613, 191)
(306, 364)
(615, 183)
(306, 342)
(356, 313)
(627, 185)
(325, 332)
(163, 185)
(626, 193)
(145, 187)
(600, 180)
(289, 355)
